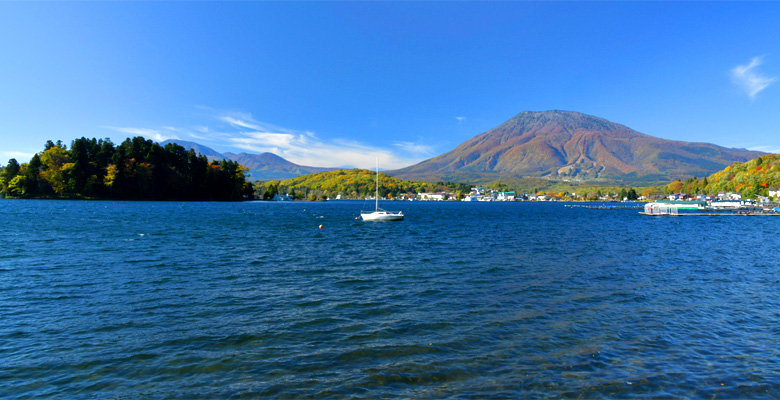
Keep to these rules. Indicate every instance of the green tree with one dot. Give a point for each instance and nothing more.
(32, 179)
(11, 170)
(57, 170)
(270, 192)
(81, 169)
(18, 186)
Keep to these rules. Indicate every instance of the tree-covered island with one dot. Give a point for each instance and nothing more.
(136, 169)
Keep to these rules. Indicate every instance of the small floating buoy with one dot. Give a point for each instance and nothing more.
(320, 226)
(357, 218)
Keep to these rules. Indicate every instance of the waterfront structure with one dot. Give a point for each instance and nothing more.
(683, 204)
(438, 196)
(506, 196)
(725, 205)
(673, 207)
(282, 197)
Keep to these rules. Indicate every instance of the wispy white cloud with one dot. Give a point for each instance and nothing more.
(239, 123)
(159, 135)
(197, 136)
(766, 149)
(20, 156)
(751, 80)
(461, 119)
(241, 132)
(306, 148)
(415, 148)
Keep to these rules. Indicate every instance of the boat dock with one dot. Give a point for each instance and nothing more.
(701, 208)
(602, 207)
(713, 214)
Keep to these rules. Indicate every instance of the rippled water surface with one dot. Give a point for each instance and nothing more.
(144, 300)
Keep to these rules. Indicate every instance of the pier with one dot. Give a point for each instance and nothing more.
(713, 214)
(701, 208)
(602, 207)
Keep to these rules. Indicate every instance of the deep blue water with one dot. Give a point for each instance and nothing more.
(147, 300)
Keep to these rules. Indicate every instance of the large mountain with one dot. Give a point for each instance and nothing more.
(570, 145)
(264, 166)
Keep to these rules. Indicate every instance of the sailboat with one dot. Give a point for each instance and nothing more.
(379, 214)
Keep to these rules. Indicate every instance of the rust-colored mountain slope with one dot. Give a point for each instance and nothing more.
(571, 145)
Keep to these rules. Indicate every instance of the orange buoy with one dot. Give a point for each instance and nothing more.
(320, 226)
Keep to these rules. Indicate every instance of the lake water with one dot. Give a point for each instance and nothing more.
(148, 300)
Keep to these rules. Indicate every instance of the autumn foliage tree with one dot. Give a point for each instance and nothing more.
(138, 169)
(751, 178)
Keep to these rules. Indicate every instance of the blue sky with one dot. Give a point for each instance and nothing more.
(340, 83)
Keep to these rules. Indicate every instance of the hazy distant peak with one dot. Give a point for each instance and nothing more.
(199, 148)
(264, 166)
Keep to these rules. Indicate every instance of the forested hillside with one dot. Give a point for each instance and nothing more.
(750, 178)
(137, 169)
(356, 183)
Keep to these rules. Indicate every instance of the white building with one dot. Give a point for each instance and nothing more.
(735, 196)
(729, 196)
(506, 196)
(725, 205)
(282, 197)
(438, 196)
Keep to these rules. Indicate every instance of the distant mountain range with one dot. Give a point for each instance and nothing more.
(569, 145)
(550, 145)
(265, 166)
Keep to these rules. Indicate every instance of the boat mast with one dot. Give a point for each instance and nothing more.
(376, 197)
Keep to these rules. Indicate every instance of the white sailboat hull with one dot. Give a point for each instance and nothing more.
(382, 216)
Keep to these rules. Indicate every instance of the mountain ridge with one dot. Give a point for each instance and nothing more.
(263, 166)
(552, 145)
(564, 145)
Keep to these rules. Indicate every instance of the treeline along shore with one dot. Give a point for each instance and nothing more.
(141, 169)
(136, 169)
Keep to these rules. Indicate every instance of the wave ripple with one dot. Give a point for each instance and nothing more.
(147, 300)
